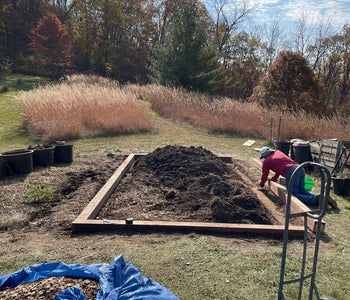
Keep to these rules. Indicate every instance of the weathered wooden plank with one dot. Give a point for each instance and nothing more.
(269, 205)
(113, 225)
(95, 205)
(328, 157)
(330, 143)
(315, 147)
(329, 152)
(296, 206)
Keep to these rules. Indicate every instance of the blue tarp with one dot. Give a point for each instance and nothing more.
(118, 280)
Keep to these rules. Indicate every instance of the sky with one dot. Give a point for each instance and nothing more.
(289, 11)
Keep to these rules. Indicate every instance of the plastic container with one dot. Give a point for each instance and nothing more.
(301, 152)
(18, 162)
(43, 157)
(309, 183)
(2, 168)
(341, 186)
(283, 146)
(63, 154)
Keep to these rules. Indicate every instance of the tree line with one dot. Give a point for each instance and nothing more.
(182, 43)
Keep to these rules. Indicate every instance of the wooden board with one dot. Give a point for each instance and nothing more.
(87, 221)
(296, 205)
(139, 225)
(269, 205)
(96, 204)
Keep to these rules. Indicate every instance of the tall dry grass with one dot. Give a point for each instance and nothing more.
(91, 105)
(81, 106)
(248, 119)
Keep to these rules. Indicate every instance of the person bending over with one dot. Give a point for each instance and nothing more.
(283, 165)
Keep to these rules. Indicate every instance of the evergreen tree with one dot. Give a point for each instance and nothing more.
(185, 59)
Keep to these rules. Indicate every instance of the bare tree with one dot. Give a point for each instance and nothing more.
(62, 8)
(228, 15)
(303, 34)
(318, 50)
(274, 37)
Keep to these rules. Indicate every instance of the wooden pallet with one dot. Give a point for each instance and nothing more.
(327, 153)
(87, 222)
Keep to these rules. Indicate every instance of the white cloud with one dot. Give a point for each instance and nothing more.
(287, 12)
(337, 11)
(266, 2)
(268, 10)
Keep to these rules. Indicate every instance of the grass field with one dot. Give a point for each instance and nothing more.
(12, 136)
(193, 266)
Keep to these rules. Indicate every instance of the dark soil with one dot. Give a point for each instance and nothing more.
(185, 184)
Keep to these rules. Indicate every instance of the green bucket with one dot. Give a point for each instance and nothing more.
(309, 182)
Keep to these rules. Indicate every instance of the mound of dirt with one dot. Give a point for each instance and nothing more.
(48, 288)
(177, 183)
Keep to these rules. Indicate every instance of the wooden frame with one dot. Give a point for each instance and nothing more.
(86, 220)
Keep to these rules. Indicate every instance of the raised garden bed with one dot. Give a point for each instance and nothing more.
(179, 188)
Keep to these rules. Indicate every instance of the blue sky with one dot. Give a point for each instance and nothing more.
(289, 11)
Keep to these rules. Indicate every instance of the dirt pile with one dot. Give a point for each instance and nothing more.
(50, 287)
(184, 184)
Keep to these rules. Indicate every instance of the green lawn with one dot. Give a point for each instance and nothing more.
(11, 134)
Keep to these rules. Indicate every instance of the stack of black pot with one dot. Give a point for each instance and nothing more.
(23, 161)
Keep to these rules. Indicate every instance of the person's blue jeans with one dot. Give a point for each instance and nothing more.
(298, 188)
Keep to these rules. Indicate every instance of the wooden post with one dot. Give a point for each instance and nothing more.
(279, 128)
(271, 129)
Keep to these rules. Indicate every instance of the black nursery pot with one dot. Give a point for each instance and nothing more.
(283, 146)
(63, 154)
(301, 152)
(341, 186)
(2, 168)
(43, 157)
(18, 162)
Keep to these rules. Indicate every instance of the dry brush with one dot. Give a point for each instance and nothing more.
(91, 105)
(81, 106)
(227, 115)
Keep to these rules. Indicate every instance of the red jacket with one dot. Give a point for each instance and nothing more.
(279, 163)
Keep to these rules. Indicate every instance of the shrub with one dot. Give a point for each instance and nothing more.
(39, 194)
(291, 83)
